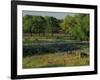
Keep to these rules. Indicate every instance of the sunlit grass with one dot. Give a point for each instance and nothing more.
(45, 38)
(69, 58)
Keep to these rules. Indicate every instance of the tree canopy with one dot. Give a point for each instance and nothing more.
(76, 26)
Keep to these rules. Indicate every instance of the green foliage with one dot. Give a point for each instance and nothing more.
(67, 24)
(38, 24)
(80, 30)
(52, 25)
(27, 24)
(76, 26)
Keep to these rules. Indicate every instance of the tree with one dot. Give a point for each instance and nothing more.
(27, 24)
(67, 24)
(52, 25)
(76, 26)
(33, 24)
(38, 24)
(81, 28)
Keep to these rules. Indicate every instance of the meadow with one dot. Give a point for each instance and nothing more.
(56, 60)
(42, 51)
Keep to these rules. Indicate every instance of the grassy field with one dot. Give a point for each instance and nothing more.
(54, 51)
(70, 58)
(45, 38)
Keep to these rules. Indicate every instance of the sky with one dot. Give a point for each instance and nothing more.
(58, 15)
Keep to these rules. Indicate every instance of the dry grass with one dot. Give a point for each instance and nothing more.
(69, 58)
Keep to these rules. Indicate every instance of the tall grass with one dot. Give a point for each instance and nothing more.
(69, 58)
(54, 51)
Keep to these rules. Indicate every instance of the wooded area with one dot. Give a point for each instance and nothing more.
(75, 26)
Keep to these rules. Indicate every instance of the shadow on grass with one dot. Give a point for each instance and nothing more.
(43, 48)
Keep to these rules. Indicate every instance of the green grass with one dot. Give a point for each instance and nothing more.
(45, 38)
(69, 58)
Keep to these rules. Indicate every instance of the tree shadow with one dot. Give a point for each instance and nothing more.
(44, 48)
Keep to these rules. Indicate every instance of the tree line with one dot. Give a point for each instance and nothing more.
(76, 26)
